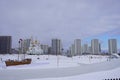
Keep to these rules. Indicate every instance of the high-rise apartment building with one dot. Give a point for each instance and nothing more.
(72, 50)
(56, 46)
(78, 48)
(45, 49)
(95, 46)
(26, 44)
(5, 44)
(112, 46)
(85, 48)
(90, 49)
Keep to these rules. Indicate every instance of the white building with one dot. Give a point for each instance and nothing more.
(95, 45)
(112, 45)
(78, 48)
(34, 48)
(26, 44)
(56, 46)
(72, 50)
(90, 49)
(45, 49)
(85, 48)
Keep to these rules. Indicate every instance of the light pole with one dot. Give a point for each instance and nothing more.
(62, 50)
(19, 50)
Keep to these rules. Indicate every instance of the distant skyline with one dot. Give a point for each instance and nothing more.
(63, 19)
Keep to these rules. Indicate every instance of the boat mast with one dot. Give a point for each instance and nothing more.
(18, 49)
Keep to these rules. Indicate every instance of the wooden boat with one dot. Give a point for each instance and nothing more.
(22, 62)
(19, 62)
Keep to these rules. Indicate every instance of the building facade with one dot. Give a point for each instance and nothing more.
(90, 49)
(45, 49)
(85, 48)
(26, 44)
(112, 46)
(78, 48)
(34, 48)
(56, 47)
(5, 44)
(95, 45)
(72, 50)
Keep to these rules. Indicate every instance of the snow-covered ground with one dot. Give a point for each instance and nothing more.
(49, 67)
(102, 75)
(50, 61)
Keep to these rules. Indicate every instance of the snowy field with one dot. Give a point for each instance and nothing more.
(49, 67)
(102, 75)
(50, 61)
(42, 61)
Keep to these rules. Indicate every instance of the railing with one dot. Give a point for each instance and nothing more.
(112, 79)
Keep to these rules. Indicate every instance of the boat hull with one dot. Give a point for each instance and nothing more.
(14, 63)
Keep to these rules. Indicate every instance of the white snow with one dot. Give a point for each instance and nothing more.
(50, 61)
(49, 67)
(111, 74)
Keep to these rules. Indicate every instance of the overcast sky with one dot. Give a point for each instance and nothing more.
(64, 19)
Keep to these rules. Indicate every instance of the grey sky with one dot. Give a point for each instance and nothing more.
(64, 19)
